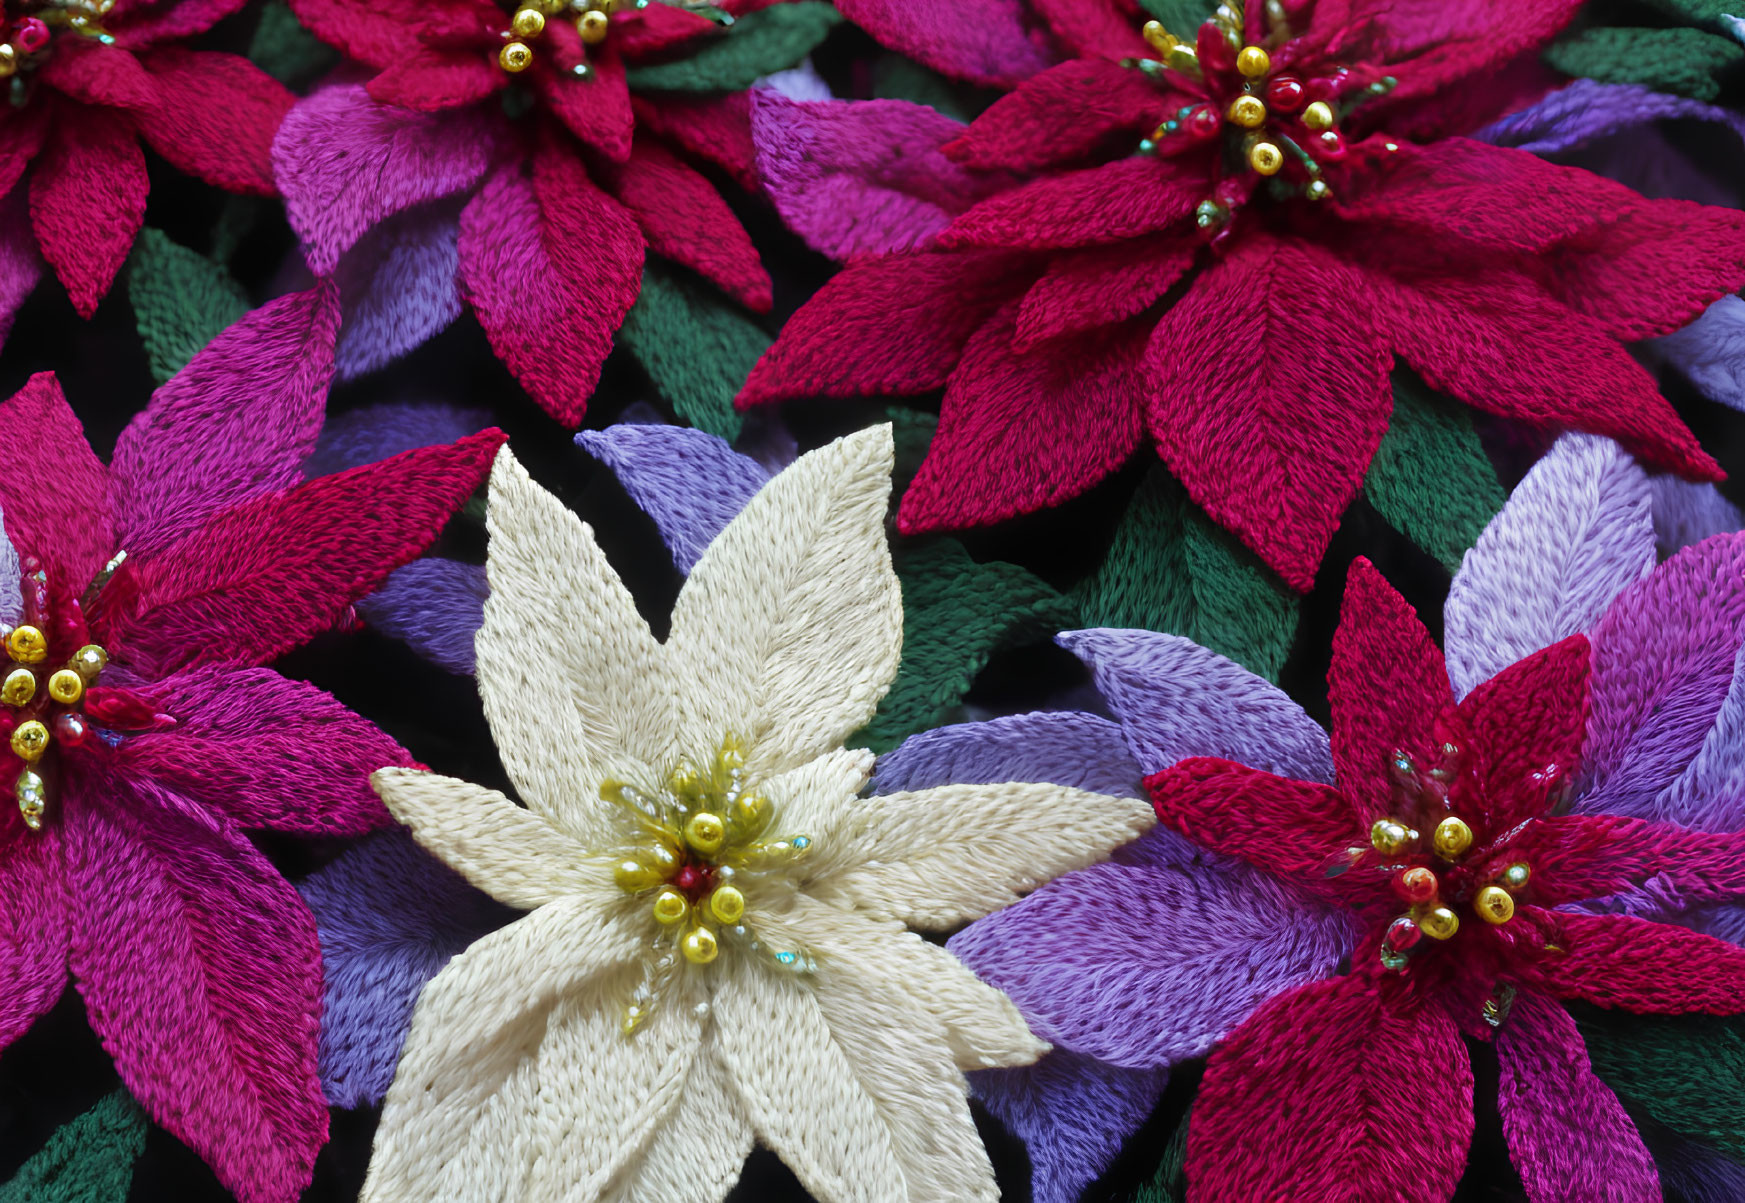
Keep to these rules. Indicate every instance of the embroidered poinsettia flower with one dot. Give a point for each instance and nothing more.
(522, 161)
(87, 81)
(1226, 248)
(145, 734)
(717, 946)
(1543, 817)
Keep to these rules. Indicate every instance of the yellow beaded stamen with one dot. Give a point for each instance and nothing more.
(593, 21)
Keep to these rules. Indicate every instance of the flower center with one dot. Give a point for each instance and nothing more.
(593, 20)
(701, 853)
(28, 38)
(1279, 129)
(1437, 864)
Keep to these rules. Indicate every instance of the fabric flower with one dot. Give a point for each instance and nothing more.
(1297, 215)
(418, 190)
(145, 735)
(1503, 828)
(717, 946)
(86, 82)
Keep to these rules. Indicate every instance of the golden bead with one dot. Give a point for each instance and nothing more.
(1515, 877)
(1157, 37)
(662, 856)
(1318, 116)
(29, 741)
(88, 661)
(1452, 838)
(670, 907)
(592, 25)
(751, 814)
(32, 794)
(528, 23)
(8, 59)
(1183, 58)
(727, 904)
(1265, 158)
(515, 57)
(1247, 111)
(634, 876)
(705, 832)
(19, 687)
(700, 946)
(1317, 190)
(1254, 62)
(66, 686)
(1439, 923)
(1494, 905)
(1388, 836)
(27, 645)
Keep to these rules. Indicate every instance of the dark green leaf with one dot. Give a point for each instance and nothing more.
(899, 78)
(695, 346)
(771, 39)
(181, 301)
(1183, 18)
(285, 50)
(1682, 61)
(1170, 1183)
(912, 431)
(1430, 477)
(1686, 1071)
(1170, 568)
(87, 1160)
(956, 614)
(1700, 12)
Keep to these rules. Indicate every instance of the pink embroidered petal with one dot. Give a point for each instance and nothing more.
(68, 527)
(1527, 721)
(596, 109)
(373, 33)
(202, 974)
(1080, 108)
(1123, 199)
(1270, 418)
(1633, 964)
(1021, 432)
(431, 80)
(715, 129)
(1333, 1094)
(1433, 44)
(33, 924)
(640, 32)
(264, 576)
(236, 423)
(990, 42)
(1655, 268)
(550, 266)
(215, 117)
(1242, 812)
(685, 219)
(1386, 686)
(266, 752)
(1591, 857)
(1097, 28)
(87, 200)
(143, 22)
(20, 261)
(21, 137)
(894, 325)
(861, 177)
(345, 162)
(85, 70)
(1084, 289)
(1568, 1135)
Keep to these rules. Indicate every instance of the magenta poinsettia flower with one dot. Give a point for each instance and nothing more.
(1226, 248)
(145, 734)
(538, 221)
(87, 80)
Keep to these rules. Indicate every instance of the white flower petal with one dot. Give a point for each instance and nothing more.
(575, 686)
(803, 1095)
(697, 1152)
(981, 1025)
(456, 1121)
(939, 857)
(814, 795)
(510, 853)
(788, 631)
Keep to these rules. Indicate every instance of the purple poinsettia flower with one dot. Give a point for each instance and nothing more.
(142, 601)
(1165, 953)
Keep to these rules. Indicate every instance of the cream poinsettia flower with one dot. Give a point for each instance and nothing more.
(717, 947)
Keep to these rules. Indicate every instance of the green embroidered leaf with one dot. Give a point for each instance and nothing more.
(695, 346)
(899, 78)
(1682, 61)
(1171, 569)
(1703, 12)
(1183, 18)
(1170, 1183)
(1686, 1071)
(87, 1160)
(956, 614)
(1430, 477)
(770, 39)
(285, 50)
(912, 432)
(181, 301)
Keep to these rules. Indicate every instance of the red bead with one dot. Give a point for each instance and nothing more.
(687, 879)
(1416, 884)
(1203, 122)
(1286, 94)
(1402, 934)
(71, 729)
(30, 35)
(1330, 146)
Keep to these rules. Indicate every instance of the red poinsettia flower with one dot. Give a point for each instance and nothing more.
(87, 79)
(1229, 245)
(570, 175)
(1448, 843)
